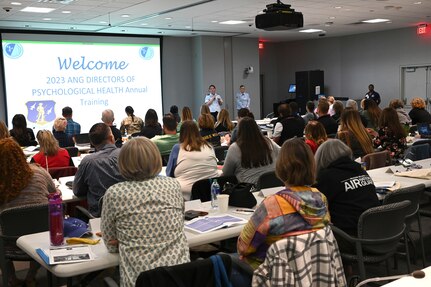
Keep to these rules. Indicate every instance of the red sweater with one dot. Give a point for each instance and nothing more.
(61, 159)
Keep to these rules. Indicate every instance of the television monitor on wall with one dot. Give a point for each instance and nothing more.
(90, 73)
(292, 88)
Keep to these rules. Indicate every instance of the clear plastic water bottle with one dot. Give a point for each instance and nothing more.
(55, 219)
(215, 191)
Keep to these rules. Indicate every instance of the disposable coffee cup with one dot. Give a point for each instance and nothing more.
(223, 202)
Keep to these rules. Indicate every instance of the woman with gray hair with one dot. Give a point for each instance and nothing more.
(143, 217)
(348, 188)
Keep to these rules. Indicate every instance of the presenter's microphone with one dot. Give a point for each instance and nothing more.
(418, 274)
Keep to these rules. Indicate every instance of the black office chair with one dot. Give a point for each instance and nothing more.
(267, 180)
(413, 194)
(220, 152)
(379, 232)
(73, 151)
(201, 189)
(14, 222)
(418, 152)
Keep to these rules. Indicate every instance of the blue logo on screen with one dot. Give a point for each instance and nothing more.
(40, 112)
(13, 51)
(147, 53)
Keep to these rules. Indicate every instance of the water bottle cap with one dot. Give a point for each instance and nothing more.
(54, 196)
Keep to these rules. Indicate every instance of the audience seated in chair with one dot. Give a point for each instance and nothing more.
(22, 184)
(50, 155)
(23, 135)
(98, 171)
(151, 126)
(191, 159)
(298, 209)
(251, 155)
(143, 217)
(169, 138)
(337, 177)
(59, 132)
(108, 118)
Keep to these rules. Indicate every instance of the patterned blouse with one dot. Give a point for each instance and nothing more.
(389, 142)
(147, 218)
(292, 211)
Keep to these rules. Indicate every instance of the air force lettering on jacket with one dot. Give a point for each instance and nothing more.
(356, 182)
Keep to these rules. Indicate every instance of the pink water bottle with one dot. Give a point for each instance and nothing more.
(55, 219)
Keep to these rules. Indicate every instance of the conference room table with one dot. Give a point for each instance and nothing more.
(388, 174)
(104, 259)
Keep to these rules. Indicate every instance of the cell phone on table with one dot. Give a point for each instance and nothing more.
(190, 214)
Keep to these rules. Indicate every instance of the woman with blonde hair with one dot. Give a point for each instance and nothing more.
(186, 115)
(4, 132)
(50, 154)
(224, 124)
(59, 132)
(207, 131)
(418, 114)
(403, 117)
(192, 159)
(143, 217)
(21, 184)
(353, 133)
(205, 109)
(315, 135)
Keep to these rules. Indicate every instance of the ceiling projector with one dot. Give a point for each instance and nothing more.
(279, 16)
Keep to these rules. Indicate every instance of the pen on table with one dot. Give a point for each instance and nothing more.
(245, 210)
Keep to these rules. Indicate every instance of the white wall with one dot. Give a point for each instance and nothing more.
(350, 63)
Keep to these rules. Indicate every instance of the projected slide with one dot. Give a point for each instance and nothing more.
(44, 73)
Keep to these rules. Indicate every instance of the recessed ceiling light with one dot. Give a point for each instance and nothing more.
(416, 3)
(47, 19)
(232, 22)
(375, 21)
(125, 16)
(144, 24)
(37, 10)
(66, 12)
(332, 17)
(311, 31)
(214, 21)
(338, 7)
(168, 18)
(15, 3)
